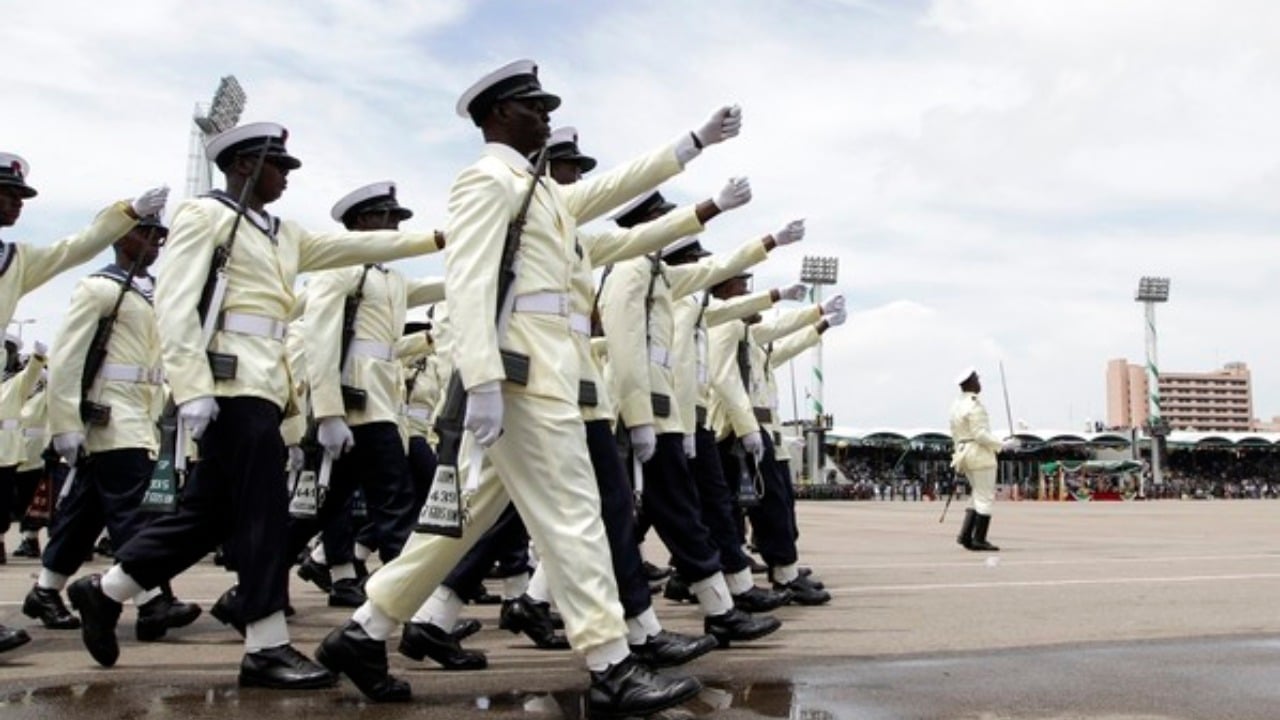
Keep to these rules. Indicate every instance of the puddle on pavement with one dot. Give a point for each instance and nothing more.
(773, 699)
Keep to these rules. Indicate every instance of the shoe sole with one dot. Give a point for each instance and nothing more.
(72, 624)
(415, 654)
(317, 684)
(725, 641)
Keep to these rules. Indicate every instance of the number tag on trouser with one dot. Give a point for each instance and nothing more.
(162, 493)
(748, 474)
(442, 512)
(305, 498)
(359, 508)
(41, 501)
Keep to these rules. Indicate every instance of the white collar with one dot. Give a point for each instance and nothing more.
(508, 155)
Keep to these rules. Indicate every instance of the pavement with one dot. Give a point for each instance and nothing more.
(1160, 610)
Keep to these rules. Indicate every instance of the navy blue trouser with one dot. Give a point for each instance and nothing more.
(672, 504)
(107, 490)
(505, 542)
(236, 495)
(422, 467)
(720, 510)
(771, 520)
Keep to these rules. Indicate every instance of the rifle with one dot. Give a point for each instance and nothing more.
(91, 413)
(353, 398)
(442, 513)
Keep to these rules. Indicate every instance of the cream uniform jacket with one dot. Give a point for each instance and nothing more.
(733, 401)
(640, 346)
(379, 324)
(547, 261)
(34, 434)
(27, 267)
(777, 354)
(692, 372)
(294, 426)
(608, 247)
(134, 345)
(422, 383)
(975, 446)
(265, 262)
(13, 393)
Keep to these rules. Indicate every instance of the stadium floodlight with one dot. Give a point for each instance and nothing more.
(224, 111)
(817, 271)
(1152, 290)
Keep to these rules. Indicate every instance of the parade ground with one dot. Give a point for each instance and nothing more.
(1125, 610)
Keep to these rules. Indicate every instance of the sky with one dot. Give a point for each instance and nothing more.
(994, 175)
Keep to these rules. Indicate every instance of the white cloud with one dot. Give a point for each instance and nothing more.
(995, 175)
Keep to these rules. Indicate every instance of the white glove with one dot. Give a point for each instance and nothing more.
(334, 436)
(724, 124)
(792, 232)
(836, 319)
(1011, 444)
(197, 413)
(68, 445)
(643, 442)
(690, 446)
(41, 349)
(793, 292)
(150, 202)
(484, 412)
(753, 443)
(833, 304)
(735, 193)
(297, 458)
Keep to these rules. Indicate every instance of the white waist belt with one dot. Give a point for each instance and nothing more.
(10, 424)
(418, 412)
(660, 356)
(373, 349)
(580, 324)
(256, 325)
(33, 432)
(543, 303)
(121, 372)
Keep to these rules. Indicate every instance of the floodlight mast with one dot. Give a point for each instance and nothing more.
(817, 271)
(1152, 290)
(223, 113)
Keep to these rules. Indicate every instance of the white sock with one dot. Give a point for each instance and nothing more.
(713, 595)
(377, 624)
(643, 626)
(50, 580)
(740, 581)
(513, 586)
(361, 552)
(271, 631)
(146, 595)
(317, 554)
(441, 609)
(784, 574)
(118, 586)
(600, 657)
(538, 589)
(345, 571)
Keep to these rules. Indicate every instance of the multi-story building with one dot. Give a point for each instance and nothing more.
(1220, 400)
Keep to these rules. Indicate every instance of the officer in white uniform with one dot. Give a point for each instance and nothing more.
(25, 267)
(975, 457)
(231, 394)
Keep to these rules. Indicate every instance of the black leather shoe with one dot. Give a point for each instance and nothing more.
(655, 574)
(283, 668)
(421, 640)
(668, 649)
(758, 599)
(464, 629)
(677, 590)
(226, 610)
(103, 547)
(98, 617)
(526, 615)
(162, 613)
(11, 638)
(629, 688)
(350, 651)
(45, 605)
(739, 626)
(28, 548)
(346, 593)
(316, 574)
(804, 592)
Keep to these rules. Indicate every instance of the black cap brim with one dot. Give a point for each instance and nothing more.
(24, 190)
